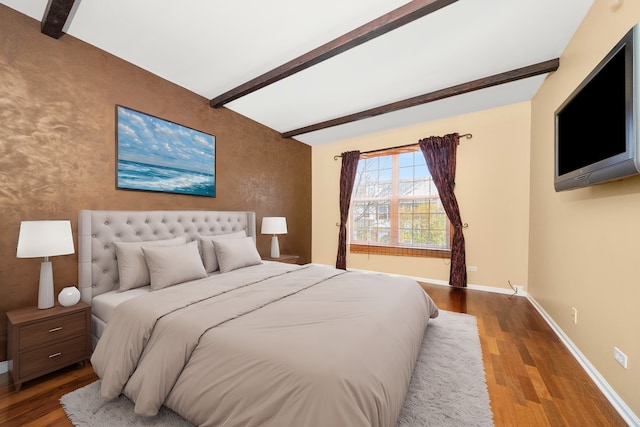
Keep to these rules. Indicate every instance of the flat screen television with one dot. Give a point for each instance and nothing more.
(596, 135)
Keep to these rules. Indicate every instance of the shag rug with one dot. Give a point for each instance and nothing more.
(448, 387)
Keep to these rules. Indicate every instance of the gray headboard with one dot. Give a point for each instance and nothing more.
(97, 230)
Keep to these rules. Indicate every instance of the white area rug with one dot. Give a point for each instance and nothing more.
(448, 387)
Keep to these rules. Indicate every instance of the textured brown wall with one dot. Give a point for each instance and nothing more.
(57, 151)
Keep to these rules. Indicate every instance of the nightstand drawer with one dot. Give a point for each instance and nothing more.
(52, 330)
(53, 356)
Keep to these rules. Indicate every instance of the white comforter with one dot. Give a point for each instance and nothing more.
(269, 345)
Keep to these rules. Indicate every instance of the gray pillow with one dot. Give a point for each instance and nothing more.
(170, 265)
(132, 268)
(209, 258)
(236, 253)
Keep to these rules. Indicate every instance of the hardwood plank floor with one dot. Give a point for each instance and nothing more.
(532, 378)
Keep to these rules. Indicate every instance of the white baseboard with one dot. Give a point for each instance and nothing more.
(471, 286)
(625, 412)
(445, 283)
(4, 366)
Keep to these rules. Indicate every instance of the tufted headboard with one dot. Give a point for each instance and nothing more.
(97, 230)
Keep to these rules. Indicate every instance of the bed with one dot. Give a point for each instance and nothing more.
(240, 341)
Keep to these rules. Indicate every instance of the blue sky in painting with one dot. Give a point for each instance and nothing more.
(147, 139)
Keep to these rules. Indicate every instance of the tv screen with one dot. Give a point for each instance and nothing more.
(592, 126)
(595, 126)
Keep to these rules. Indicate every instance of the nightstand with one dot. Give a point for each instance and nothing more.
(43, 341)
(289, 259)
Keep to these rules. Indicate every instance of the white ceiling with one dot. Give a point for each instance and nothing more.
(212, 46)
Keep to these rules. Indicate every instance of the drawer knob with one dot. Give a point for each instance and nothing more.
(51, 356)
(59, 328)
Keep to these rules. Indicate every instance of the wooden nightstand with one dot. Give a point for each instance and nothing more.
(289, 259)
(42, 341)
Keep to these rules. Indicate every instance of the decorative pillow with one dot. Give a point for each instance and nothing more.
(209, 254)
(236, 253)
(170, 265)
(132, 267)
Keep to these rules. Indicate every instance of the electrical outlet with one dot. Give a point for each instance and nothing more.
(472, 268)
(620, 357)
(574, 314)
(519, 289)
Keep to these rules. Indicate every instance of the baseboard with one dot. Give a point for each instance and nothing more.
(4, 367)
(445, 283)
(625, 412)
(472, 286)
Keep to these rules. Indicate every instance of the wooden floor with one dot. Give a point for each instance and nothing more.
(532, 378)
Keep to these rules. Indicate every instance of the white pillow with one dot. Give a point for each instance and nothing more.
(132, 268)
(236, 253)
(170, 265)
(209, 254)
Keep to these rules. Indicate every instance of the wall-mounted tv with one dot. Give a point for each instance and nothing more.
(596, 135)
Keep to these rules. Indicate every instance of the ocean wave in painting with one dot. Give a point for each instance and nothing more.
(158, 155)
(142, 176)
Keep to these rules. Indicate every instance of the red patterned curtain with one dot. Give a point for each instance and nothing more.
(440, 155)
(347, 178)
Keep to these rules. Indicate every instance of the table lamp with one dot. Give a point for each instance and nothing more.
(274, 225)
(44, 239)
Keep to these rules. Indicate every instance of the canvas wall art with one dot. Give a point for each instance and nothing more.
(158, 155)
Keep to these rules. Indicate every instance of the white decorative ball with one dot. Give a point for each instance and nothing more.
(69, 296)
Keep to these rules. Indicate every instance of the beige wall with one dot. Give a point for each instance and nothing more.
(585, 243)
(492, 187)
(57, 151)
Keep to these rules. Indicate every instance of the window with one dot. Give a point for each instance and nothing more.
(396, 208)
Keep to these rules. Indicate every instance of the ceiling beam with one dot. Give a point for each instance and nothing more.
(55, 16)
(396, 18)
(495, 80)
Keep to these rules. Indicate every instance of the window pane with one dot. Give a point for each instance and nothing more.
(383, 212)
(421, 237)
(406, 173)
(385, 190)
(397, 207)
(406, 159)
(405, 188)
(384, 236)
(421, 171)
(384, 175)
(361, 234)
(385, 162)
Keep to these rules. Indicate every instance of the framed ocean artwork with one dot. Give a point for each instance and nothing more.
(158, 155)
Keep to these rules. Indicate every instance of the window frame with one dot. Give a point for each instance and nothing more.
(394, 206)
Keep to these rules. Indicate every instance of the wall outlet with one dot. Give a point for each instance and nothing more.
(620, 357)
(519, 289)
(574, 314)
(472, 268)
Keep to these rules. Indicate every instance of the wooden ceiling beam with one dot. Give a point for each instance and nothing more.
(495, 80)
(401, 16)
(55, 16)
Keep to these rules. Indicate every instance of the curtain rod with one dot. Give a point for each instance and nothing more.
(466, 135)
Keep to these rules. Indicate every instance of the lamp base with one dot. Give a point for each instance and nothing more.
(45, 291)
(275, 248)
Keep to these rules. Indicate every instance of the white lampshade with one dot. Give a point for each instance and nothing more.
(44, 239)
(274, 225)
